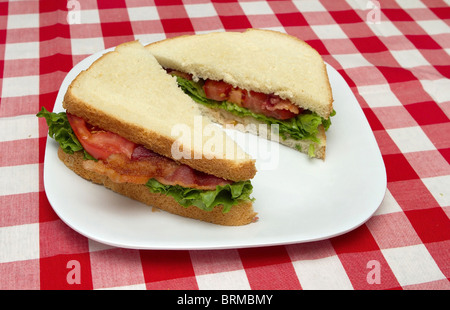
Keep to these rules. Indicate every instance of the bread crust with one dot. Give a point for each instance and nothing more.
(241, 214)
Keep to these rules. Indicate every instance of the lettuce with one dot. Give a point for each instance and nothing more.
(302, 127)
(227, 195)
(60, 130)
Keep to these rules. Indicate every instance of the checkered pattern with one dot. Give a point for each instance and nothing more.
(393, 54)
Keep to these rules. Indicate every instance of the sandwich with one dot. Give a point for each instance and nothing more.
(257, 77)
(129, 127)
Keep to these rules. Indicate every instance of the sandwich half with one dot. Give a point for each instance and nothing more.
(129, 127)
(252, 78)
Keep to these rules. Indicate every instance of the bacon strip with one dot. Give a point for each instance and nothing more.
(145, 164)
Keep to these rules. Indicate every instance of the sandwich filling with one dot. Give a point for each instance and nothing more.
(294, 122)
(123, 161)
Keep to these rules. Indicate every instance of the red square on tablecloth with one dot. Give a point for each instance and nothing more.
(396, 74)
(423, 42)
(117, 29)
(66, 272)
(111, 4)
(238, 22)
(177, 25)
(431, 224)
(166, 265)
(346, 17)
(427, 113)
(398, 168)
(292, 19)
(369, 45)
(57, 62)
(397, 15)
(361, 241)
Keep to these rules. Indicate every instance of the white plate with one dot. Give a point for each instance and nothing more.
(297, 199)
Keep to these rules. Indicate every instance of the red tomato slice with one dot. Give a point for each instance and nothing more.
(99, 143)
(256, 102)
(217, 90)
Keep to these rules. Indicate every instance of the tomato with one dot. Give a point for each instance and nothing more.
(99, 143)
(268, 105)
(217, 90)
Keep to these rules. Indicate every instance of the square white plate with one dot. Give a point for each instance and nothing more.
(297, 199)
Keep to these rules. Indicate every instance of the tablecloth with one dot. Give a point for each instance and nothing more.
(393, 54)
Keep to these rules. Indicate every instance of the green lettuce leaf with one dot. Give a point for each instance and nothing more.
(302, 127)
(60, 130)
(227, 195)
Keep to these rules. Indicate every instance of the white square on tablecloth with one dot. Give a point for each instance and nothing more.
(87, 46)
(21, 21)
(26, 50)
(434, 26)
(256, 8)
(409, 4)
(351, 60)
(410, 58)
(19, 127)
(89, 17)
(329, 31)
(439, 187)
(411, 139)
(200, 10)
(324, 274)
(19, 242)
(379, 96)
(150, 37)
(309, 6)
(143, 13)
(19, 179)
(20, 86)
(229, 280)
(384, 28)
(437, 89)
(412, 264)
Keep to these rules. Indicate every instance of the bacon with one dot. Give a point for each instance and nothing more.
(145, 164)
(276, 103)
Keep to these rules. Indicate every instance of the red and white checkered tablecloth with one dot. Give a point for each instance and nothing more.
(393, 54)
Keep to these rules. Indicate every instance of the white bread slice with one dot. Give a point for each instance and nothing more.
(240, 214)
(260, 60)
(252, 125)
(127, 92)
